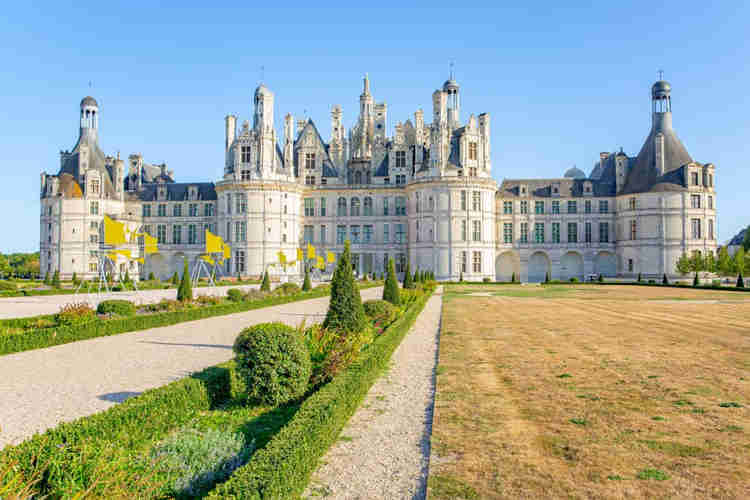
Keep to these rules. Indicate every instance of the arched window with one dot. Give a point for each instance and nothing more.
(342, 207)
(357, 177)
(354, 209)
(368, 206)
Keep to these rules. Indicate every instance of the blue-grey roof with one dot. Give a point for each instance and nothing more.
(178, 191)
(328, 168)
(542, 188)
(382, 170)
(89, 101)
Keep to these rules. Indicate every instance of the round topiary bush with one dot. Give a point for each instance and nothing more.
(379, 310)
(116, 307)
(288, 289)
(273, 360)
(235, 295)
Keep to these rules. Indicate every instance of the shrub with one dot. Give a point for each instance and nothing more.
(664, 280)
(364, 278)
(390, 290)
(461, 277)
(573, 280)
(126, 279)
(639, 278)
(116, 307)
(695, 280)
(74, 278)
(651, 282)
(235, 295)
(273, 361)
(7, 286)
(175, 279)
(208, 300)
(265, 286)
(56, 279)
(287, 289)
(46, 278)
(325, 287)
(408, 278)
(307, 284)
(379, 310)
(546, 277)
(513, 277)
(601, 278)
(185, 291)
(75, 314)
(151, 276)
(740, 281)
(345, 308)
(382, 277)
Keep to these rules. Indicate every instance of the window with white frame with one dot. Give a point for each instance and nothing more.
(340, 234)
(309, 160)
(508, 232)
(309, 207)
(476, 233)
(476, 262)
(572, 232)
(94, 208)
(400, 159)
(476, 201)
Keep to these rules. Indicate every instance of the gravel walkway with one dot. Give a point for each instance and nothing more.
(40, 388)
(384, 449)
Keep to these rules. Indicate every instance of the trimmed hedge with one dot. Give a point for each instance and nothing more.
(46, 337)
(283, 467)
(67, 458)
(116, 307)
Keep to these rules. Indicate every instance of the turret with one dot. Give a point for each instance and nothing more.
(89, 120)
(661, 105)
(450, 88)
(230, 131)
(263, 116)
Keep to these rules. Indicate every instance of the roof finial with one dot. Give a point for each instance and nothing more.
(661, 74)
(262, 74)
(452, 64)
(367, 84)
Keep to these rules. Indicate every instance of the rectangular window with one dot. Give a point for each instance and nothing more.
(177, 234)
(711, 202)
(695, 201)
(161, 210)
(309, 160)
(400, 233)
(94, 238)
(400, 262)
(463, 200)
(94, 226)
(572, 232)
(587, 206)
(95, 186)
(177, 210)
(572, 206)
(309, 207)
(385, 206)
(539, 232)
(631, 203)
(239, 261)
(229, 232)
(463, 230)
(476, 262)
(710, 180)
(322, 207)
(192, 234)
(386, 233)
(463, 262)
(476, 201)
(367, 206)
(400, 205)
(161, 234)
(147, 230)
(208, 210)
(694, 177)
(193, 209)
(472, 150)
(367, 234)
(308, 234)
(94, 208)
(244, 175)
(323, 181)
(386, 180)
(310, 180)
(93, 267)
(400, 159)
(340, 234)
(524, 207)
(556, 207)
(630, 265)
(604, 232)
(245, 154)
(240, 231)
(508, 232)
(476, 233)
(710, 229)
(696, 226)
(507, 207)
(229, 203)
(587, 232)
(603, 206)
(241, 203)
(633, 230)
(524, 232)
(539, 207)
(354, 234)
(323, 235)
(555, 232)
(147, 210)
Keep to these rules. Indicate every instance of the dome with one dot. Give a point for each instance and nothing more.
(575, 173)
(89, 101)
(661, 89)
(262, 90)
(450, 85)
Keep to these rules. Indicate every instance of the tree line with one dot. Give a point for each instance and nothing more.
(19, 265)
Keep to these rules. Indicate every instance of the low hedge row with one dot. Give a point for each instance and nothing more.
(67, 459)
(47, 337)
(283, 467)
(729, 288)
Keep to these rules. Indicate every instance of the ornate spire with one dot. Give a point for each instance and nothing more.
(367, 85)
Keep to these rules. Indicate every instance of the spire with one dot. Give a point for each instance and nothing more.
(367, 85)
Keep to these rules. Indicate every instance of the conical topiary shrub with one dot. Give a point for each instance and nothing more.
(185, 290)
(175, 278)
(664, 280)
(639, 277)
(390, 290)
(46, 278)
(546, 277)
(56, 279)
(126, 279)
(695, 280)
(74, 278)
(513, 277)
(345, 311)
(461, 277)
(307, 285)
(265, 285)
(601, 278)
(740, 281)
(408, 278)
(151, 276)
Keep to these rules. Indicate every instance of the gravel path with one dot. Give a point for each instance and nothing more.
(40, 388)
(384, 449)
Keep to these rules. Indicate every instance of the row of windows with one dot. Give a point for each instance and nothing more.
(194, 234)
(695, 201)
(476, 262)
(540, 207)
(539, 235)
(355, 207)
(365, 236)
(696, 226)
(708, 179)
(192, 210)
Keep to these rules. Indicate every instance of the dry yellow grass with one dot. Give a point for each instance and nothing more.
(592, 392)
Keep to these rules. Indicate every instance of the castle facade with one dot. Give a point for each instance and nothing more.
(424, 194)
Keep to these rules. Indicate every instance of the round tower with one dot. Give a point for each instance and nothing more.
(451, 88)
(89, 118)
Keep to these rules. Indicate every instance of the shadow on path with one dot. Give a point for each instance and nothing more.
(216, 346)
(118, 397)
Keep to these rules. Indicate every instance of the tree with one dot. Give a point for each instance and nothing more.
(513, 277)
(739, 260)
(265, 285)
(345, 311)
(74, 278)
(639, 278)
(306, 285)
(546, 277)
(175, 278)
(151, 276)
(56, 279)
(4, 265)
(461, 277)
(126, 279)
(709, 263)
(746, 240)
(408, 278)
(46, 278)
(683, 264)
(724, 262)
(740, 281)
(601, 278)
(664, 280)
(695, 280)
(185, 290)
(390, 290)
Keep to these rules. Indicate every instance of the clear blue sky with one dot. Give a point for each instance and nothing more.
(561, 83)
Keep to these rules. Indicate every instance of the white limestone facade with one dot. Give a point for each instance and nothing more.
(423, 194)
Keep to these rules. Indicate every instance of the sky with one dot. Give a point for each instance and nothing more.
(561, 82)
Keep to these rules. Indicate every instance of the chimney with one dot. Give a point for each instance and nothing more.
(231, 130)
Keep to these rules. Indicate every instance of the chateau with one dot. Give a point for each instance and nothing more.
(424, 194)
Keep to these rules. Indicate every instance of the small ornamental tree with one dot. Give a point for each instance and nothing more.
(185, 290)
(601, 278)
(740, 281)
(639, 278)
(46, 278)
(345, 312)
(265, 285)
(126, 279)
(408, 278)
(664, 280)
(546, 277)
(74, 278)
(390, 290)
(461, 277)
(151, 276)
(307, 285)
(739, 260)
(746, 240)
(695, 280)
(513, 277)
(56, 279)
(175, 278)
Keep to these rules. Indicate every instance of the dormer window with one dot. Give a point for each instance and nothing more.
(245, 154)
(694, 178)
(472, 150)
(162, 193)
(95, 186)
(309, 160)
(400, 159)
(522, 190)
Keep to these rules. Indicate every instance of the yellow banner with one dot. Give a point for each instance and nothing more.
(227, 251)
(149, 244)
(300, 254)
(282, 258)
(331, 257)
(124, 253)
(213, 243)
(321, 263)
(114, 232)
(310, 251)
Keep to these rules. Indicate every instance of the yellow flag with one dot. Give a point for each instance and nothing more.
(310, 251)
(124, 253)
(114, 232)
(112, 255)
(282, 258)
(300, 255)
(321, 263)
(140, 259)
(331, 257)
(150, 244)
(227, 251)
(213, 243)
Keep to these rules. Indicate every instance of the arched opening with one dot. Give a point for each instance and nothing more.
(354, 208)
(342, 207)
(506, 264)
(539, 266)
(357, 177)
(368, 206)
(571, 266)
(605, 263)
